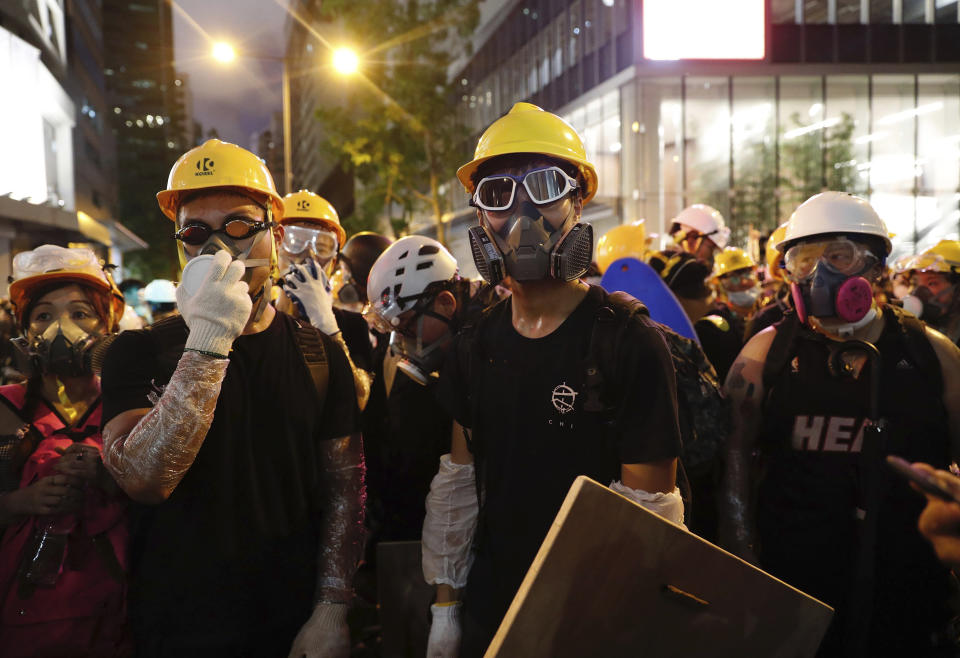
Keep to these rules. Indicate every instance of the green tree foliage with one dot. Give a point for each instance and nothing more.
(397, 129)
(809, 163)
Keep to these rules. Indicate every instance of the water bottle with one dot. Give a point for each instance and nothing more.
(44, 553)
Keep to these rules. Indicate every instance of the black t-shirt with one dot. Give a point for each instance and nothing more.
(236, 544)
(721, 337)
(532, 437)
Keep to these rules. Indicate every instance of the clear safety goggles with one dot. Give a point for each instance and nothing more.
(318, 242)
(931, 263)
(738, 278)
(543, 186)
(839, 254)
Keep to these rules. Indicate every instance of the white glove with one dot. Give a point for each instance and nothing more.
(444, 640)
(308, 288)
(219, 309)
(325, 635)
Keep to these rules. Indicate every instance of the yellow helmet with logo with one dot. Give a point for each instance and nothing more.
(774, 257)
(216, 164)
(942, 257)
(527, 128)
(307, 206)
(623, 241)
(34, 271)
(730, 260)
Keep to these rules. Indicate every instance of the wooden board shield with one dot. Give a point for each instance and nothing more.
(612, 579)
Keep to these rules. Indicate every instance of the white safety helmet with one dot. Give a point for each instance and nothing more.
(834, 213)
(160, 291)
(402, 273)
(707, 221)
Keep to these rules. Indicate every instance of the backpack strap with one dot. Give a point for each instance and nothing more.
(612, 319)
(314, 356)
(914, 334)
(780, 349)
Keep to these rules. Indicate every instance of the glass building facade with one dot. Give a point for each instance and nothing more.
(855, 95)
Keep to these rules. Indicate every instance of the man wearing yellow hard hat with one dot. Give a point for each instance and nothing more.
(233, 429)
(735, 273)
(517, 385)
(775, 298)
(312, 239)
(935, 298)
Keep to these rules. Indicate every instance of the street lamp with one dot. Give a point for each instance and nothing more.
(223, 52)
(345, 61)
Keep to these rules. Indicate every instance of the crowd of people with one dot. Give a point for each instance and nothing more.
(206, 467)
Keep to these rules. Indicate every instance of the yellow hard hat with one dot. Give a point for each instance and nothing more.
(216, 164)
(942, 257)
(307, 206)
(527, 128)
(774, 257)
(730, 260)
(623, 241)
(34, 271)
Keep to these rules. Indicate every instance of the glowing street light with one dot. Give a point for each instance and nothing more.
(345, 61)
(224, 52)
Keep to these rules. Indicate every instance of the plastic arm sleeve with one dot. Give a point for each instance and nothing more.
(450, 524)
(735, 499)
(667, 505)
(342, 532)
(362, 379)
(155, 455)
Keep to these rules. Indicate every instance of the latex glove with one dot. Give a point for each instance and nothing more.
(308, 288)
(219, 309)
(444, 640)
(325, 635)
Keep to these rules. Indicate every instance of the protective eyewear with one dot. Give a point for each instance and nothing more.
(543, 186)
(840, 255)
(237, 228)
(299, 239)
(738, 278)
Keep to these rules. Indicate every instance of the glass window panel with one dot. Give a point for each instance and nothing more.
(707, 142)
(559, 39)
(591, 29)
(621, 16)
(892, 164)
(753, 202)
(946, 11)
(846, 145)
(666, 94)
(848, 11)
(914, 11)
(576, 31)
(881, 11)
(802, 123)
(938, 158)
(783, 11)
(815, 11)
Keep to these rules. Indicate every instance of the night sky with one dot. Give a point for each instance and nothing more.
(236, 99)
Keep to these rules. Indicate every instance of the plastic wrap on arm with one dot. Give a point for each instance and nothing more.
(667, 505)
(450, 524)
(150, 460)
(362, 379)
(342, 532)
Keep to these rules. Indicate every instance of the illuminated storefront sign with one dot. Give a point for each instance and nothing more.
(704, 29)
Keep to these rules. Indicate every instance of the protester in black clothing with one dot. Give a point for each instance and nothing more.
(233, 427)
(357, 257)
(935, 297)
(820, 510)
(311, 244)
(515, 383)
(774, 300)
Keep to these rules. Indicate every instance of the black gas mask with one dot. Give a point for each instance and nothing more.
(420, 362)
(63, 349)
(929, 306)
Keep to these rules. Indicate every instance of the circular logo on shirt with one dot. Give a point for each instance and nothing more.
(563, 398)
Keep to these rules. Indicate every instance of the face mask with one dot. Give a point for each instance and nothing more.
(744, 298)
(528, 248)
(420, 362)
(927, 306)
(63, 349)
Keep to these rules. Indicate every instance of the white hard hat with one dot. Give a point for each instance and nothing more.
(707, 221)
(160, 291)
(404, 271)
(834, 213)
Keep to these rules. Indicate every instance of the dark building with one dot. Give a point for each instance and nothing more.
(750, 109)
(148, 119)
